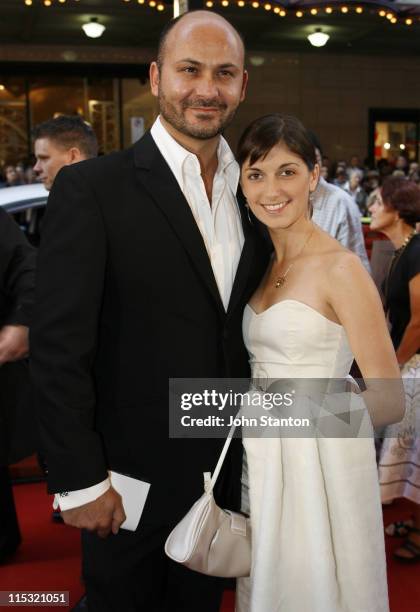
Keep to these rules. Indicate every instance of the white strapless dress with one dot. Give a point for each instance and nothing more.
(317, 532)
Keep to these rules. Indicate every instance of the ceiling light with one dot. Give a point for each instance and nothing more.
(257, 60)
(93, 29)
(409, 21)
(387, 146)
(2, 88)
(402, 147)
(318, 38)
(328, 10)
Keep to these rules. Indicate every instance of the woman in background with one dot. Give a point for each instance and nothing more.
(395, 213)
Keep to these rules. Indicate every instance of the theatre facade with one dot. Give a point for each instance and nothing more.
(360, 92)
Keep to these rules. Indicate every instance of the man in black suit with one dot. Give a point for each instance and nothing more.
(145, 265)
(17, 285)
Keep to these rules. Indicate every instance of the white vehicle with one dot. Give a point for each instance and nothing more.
(27, 204)
(23, 197)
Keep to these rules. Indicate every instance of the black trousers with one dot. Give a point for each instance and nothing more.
(130, 572)
(9, 528)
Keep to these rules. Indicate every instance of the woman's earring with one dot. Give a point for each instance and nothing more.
(247, 212)
(311, 204)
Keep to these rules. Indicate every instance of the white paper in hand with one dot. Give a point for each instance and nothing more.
(134, 494)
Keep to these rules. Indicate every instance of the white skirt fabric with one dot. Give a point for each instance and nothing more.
(318, 542)
(399, 463)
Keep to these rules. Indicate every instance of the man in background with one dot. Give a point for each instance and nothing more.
(336, 213)
(60, 142)
(17, 284)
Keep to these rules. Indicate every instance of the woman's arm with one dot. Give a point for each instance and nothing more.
(410, 342)
(355, 300)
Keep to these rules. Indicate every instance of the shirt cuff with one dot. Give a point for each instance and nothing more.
(67, 500)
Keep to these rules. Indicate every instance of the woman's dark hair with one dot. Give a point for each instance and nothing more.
(266, 132)
(403, 196)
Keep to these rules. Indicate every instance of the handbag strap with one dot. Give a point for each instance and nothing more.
(209, 483)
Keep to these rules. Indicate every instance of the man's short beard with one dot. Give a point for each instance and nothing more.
(201, 132)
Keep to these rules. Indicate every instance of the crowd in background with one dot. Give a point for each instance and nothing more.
(21, 173)
(359, 179)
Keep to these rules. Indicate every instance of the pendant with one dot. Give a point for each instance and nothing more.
(280, 282)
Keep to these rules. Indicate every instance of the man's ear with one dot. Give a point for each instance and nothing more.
(74, 155)
(154, 78)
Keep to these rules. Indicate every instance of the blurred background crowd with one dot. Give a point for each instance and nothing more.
(356, 177)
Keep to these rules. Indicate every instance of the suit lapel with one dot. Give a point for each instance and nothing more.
(246, 259)
(162, 186)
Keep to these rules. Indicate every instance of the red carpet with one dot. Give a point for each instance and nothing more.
(403, 580)
(49, 558)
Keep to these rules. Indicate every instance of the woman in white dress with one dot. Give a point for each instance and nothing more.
(314, 502)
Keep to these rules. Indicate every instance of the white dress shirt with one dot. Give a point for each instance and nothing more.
(221, 228)
(219, 223)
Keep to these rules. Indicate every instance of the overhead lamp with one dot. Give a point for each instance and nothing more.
(2, 87)
(387, 146)
(402, 147)
(93, 29)
(318, 38)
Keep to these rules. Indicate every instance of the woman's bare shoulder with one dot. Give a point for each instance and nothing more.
(334, 256)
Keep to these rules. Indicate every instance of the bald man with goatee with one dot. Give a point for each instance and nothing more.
(146, 264)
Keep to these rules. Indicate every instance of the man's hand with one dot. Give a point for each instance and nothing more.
(103, 515)
(14, 343)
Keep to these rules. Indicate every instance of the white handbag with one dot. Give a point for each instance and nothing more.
(210, 540)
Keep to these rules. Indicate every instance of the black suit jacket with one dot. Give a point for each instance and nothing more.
(126, 299)
(17, 287)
